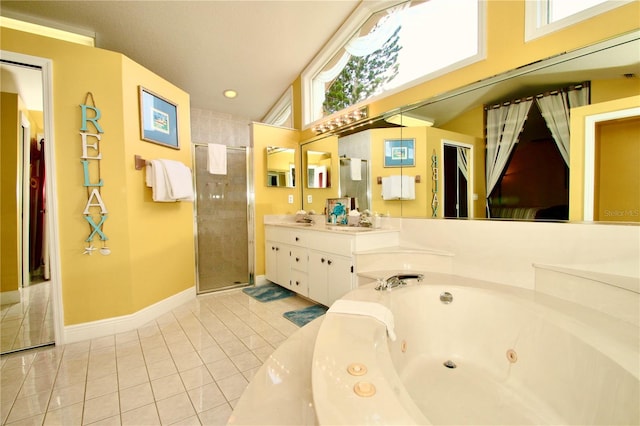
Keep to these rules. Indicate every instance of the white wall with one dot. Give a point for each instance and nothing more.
(505, 251)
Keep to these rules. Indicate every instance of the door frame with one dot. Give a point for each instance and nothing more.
(470, 183)
(51, 202)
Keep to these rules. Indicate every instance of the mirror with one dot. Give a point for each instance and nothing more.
(318, 169)
(612, 67)
(281, 167)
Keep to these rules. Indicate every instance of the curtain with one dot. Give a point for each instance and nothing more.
(463, 162)
(504, 125)
(555, 111)
(357, 46)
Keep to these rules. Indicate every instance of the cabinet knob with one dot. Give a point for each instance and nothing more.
(297, 282)
(329, 262)
(322, 260)
(297, 239)
(297, 259)
(277, 248)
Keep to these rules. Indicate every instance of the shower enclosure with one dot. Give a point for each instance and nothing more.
(224, 229)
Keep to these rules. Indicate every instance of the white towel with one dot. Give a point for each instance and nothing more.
(217, 159)
(370, 309)
(157, 181)
(399, 187)
(179, 180)
(408, 188)
(356, 169)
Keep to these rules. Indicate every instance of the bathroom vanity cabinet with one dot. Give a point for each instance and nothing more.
(317, 262)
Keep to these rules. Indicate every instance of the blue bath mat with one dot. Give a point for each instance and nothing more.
(303, 316)
(268, 292)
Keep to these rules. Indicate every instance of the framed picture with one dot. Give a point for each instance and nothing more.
(338, 210)
(158, 119)
(399, 152)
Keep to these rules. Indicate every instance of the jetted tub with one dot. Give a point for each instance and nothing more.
(491, 355)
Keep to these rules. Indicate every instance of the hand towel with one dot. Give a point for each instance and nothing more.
(391, 187)
(179, 180)
(356, 169)
(370, 309)
(408, 188)
(217, 159)
(156, 179)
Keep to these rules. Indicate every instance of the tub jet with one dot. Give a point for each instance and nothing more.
(449, 364)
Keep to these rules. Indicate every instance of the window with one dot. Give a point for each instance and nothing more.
(546, 16)
(388, 50)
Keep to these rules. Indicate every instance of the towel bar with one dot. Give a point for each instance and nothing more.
(379, 179)
(139, 162)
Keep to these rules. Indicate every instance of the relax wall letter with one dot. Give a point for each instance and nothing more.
(95, 211)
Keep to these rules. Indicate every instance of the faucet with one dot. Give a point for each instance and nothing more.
(397, 281)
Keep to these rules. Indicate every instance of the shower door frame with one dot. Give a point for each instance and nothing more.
(250, 219)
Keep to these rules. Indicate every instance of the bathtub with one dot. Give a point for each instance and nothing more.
(492, 355)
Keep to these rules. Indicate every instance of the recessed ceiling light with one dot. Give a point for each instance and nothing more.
(230, 94)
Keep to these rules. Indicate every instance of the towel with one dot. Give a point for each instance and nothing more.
(170, 181)
(370, 309)
(356, 169)
(156, 180)
(217, 159)
(179, 180)
(398, 187)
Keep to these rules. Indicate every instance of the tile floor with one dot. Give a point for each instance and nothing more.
(187, 367)
(28, 323)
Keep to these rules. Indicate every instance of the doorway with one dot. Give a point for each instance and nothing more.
(224, 230)
(457, 186)
(31, 319)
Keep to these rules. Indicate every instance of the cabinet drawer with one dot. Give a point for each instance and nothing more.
(299, 282)
(299, 259)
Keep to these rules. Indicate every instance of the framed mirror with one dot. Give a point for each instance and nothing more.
(281, 167)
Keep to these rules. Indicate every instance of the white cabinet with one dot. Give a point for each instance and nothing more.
(330, 276)
(318, 263)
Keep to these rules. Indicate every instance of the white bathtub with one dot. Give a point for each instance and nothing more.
(521, 358)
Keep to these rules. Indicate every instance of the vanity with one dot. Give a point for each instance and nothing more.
(317, 260)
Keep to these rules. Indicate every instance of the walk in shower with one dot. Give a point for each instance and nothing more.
(224, 240)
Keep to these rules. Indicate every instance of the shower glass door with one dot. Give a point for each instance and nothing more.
(222, 220)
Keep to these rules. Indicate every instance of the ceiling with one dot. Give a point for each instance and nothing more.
(257, 48)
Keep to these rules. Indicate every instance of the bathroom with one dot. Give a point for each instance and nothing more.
(482, 249)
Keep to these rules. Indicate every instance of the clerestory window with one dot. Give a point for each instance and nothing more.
(394, 48)
(546, 16)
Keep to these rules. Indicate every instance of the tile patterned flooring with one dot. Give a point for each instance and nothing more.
(29, 323)
(188, 367)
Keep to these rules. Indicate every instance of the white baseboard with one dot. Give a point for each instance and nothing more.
(106, 327)
(9, 297)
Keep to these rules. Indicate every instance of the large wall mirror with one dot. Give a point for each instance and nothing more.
(281, 167)
(448, 176)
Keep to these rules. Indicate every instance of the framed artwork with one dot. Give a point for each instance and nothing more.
(158, 119)
(399, 152)
(338, 210)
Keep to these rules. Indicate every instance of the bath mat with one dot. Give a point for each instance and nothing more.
(303, 316)
(268, 292)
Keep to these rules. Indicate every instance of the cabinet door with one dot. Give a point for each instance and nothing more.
(298, 282)
(339, 277)
(317, 276)
(283, 254)
(271, 261)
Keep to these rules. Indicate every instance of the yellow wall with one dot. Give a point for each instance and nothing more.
(9, 206)
(271, 200)
(577, 148)
(152, 251)
(617, 175)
